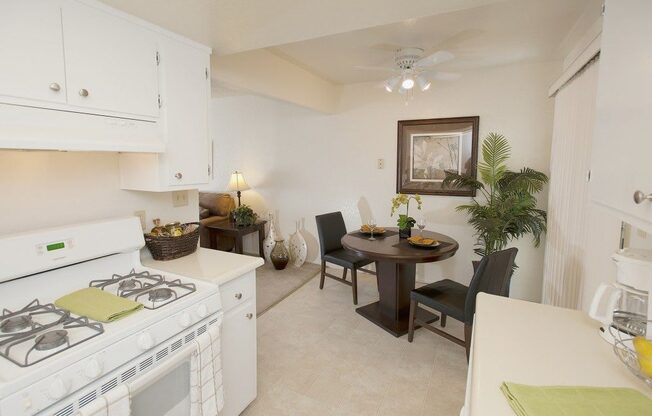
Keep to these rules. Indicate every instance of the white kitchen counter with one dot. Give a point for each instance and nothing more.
(530, 343)
(206, 264)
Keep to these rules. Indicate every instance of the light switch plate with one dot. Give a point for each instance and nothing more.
(381, 163)
(179, 198)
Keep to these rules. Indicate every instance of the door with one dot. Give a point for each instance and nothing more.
(185, 94)
(111, 64)
(239, 358)
(622, 144)
(31, 50)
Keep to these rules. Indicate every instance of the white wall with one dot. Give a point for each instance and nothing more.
(302, 163)
(44, 189)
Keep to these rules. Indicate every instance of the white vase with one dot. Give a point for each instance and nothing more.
(298, 248)
(270, 240)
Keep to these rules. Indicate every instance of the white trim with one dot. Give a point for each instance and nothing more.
(585, 50)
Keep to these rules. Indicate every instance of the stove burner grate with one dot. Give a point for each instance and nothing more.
(45, 338)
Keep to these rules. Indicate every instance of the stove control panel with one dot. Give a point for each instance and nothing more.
(55, 248)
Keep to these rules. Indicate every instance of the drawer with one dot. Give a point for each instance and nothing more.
(238, 290)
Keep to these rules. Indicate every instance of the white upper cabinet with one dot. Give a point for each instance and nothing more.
(186, 91)
(31, 51)
(622, 143)
(111, 63)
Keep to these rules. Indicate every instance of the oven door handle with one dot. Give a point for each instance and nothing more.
(151, 377)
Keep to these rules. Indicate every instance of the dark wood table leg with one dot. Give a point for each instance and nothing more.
(391, 312)
(212, 238)
(238, 243)
(261, 239)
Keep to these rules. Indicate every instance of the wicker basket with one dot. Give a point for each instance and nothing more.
(170, 248)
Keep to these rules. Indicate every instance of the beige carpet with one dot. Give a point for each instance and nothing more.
(272, 286)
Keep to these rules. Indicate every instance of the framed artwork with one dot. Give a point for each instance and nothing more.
(428, 148)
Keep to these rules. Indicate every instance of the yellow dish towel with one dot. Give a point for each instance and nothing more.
(575, 401)
(97, 304)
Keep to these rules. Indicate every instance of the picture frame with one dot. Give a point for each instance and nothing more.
(427, 148)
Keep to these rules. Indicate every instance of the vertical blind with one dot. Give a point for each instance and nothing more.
(568, 196)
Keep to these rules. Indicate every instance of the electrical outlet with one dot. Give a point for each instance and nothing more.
(142, 216)
(179, 198)
(381, 163)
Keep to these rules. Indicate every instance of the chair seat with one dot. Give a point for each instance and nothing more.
(346, 258)
(446, 296)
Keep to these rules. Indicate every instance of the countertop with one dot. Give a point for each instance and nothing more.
(530, 343)
(206, 264)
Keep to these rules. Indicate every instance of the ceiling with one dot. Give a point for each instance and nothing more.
(496, 34)
(231, 26)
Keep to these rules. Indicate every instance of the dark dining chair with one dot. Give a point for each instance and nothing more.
(449, 298)
(331, 229)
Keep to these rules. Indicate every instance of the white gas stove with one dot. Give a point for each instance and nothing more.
(53, 362)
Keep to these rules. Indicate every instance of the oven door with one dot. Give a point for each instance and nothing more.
(165, 390)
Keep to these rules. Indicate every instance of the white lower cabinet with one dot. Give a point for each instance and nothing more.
(239, 348)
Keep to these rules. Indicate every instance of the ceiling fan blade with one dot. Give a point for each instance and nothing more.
(442, 76)
(376, 68)
(434, 59)
(387, 47)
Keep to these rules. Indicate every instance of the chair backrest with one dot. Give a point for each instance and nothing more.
(331, 229)
(492, 276)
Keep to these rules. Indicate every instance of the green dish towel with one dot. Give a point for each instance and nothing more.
(575, 401)
(97, 304)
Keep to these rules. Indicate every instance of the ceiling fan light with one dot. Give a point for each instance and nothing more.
(388, 87)
(408, 83)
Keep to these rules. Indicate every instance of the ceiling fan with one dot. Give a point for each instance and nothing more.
(413, 69)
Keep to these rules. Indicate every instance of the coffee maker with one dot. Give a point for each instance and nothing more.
(623, 307)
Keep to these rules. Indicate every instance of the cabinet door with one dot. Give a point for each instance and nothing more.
(185, 93)
(31, 50)
(111, 63)
(622, 145)
(239, 358)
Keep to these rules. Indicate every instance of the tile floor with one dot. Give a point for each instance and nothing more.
(316, 356)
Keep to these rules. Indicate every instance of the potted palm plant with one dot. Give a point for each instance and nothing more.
(507, 207)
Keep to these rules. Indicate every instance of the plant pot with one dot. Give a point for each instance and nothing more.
(405, 232)
(279, 255)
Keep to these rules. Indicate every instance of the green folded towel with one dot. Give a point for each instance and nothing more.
(97, 304)
(575, 401)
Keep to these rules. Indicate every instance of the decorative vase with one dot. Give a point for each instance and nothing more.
(404, 232)
(298, 248)
(270, 240)
(280, 256)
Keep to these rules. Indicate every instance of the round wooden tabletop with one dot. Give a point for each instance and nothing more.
(393, 249)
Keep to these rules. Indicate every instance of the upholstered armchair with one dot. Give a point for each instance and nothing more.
(214, 207)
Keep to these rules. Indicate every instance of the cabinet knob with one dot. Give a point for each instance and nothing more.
(249, 315)
(178, 175)
(238, 295)
(55, 87)
(639, 197)
(83, 92)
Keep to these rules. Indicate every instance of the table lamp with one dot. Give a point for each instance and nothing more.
(238, 184)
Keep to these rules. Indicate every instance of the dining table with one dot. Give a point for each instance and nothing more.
(396, 259)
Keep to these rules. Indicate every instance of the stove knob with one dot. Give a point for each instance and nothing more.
(145, 341)
(184, 320)
(93, 368)
(202, 311)
(58, 388)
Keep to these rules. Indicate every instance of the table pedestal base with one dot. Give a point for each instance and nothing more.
(398, 328)
(391, 312)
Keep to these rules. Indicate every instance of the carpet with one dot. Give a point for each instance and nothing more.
(272, 286)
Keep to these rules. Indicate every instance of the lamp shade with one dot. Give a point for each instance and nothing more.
(237, 182)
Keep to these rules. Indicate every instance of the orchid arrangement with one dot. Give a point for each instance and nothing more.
(404, 220)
